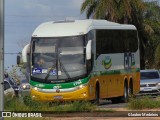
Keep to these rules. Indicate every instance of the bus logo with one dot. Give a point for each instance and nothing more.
(107, 62)
(57, 87)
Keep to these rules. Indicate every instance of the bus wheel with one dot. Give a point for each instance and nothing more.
(97, 100)
(125, 96)
(130, 90)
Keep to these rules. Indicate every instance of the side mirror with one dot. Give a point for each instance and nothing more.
(88, 50)
(18, 60)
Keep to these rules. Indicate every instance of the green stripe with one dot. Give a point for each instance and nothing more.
(60, 85)
(114, 72)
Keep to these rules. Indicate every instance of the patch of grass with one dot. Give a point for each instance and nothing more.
(105, 110)
(17, 104)
(78, 106)
(143, 103)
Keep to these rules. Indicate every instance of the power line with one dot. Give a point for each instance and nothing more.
(11, 53)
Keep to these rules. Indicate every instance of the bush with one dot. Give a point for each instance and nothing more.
(143, 103)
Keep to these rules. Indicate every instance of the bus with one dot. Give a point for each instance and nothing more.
(83, 60)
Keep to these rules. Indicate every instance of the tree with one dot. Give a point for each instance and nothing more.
(152, 27)
(113, 10)
(125, 11)
(157, 57)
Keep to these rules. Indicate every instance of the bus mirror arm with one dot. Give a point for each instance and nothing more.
(88, 50)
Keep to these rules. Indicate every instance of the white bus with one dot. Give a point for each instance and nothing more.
(83, 60)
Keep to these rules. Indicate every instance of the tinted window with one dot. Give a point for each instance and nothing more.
(6, 85)
(149, 75)
(116, 41)
(133, 41)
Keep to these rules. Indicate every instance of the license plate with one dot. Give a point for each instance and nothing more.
(58, 97)
(147, 89)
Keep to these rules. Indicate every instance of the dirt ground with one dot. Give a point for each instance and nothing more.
(70, 117)
(106, 118)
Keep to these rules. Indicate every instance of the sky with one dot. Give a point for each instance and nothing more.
(23, 16)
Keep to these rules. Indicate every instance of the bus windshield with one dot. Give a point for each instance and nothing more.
(58, 59)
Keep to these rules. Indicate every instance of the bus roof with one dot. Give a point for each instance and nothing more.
(75, 27)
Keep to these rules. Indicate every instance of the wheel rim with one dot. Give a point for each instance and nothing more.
(125, 93)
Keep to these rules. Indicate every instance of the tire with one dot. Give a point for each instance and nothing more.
(125, 97)
(97, 100)
(130, 90)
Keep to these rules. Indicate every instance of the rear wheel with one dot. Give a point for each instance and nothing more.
(130, 90)
(125, 97)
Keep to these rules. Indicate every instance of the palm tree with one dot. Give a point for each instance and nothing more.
(113, 10)
(152, 27)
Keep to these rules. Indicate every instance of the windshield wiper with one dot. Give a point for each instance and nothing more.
(64, 69)
(48, 74)
(56, 65)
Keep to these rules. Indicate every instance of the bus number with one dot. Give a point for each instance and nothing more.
(77, 83)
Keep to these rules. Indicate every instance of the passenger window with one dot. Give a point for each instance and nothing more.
(116, 41)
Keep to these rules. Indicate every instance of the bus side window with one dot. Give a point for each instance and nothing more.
(109, 41)
(133, 41)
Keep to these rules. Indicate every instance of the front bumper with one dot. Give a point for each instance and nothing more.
(149, 91)
(80, 94)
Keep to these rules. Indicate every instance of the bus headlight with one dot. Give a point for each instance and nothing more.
(24, 86)
(35, 88)
(81, 86)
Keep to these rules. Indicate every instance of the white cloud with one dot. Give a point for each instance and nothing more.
(77, 3)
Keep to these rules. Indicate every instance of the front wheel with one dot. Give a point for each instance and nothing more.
(97, 100)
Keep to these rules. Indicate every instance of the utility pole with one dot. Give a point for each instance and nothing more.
(1, 56)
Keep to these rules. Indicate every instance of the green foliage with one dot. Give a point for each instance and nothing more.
(143, 103)
(14, 72)
(113, 10)
(157, 57)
